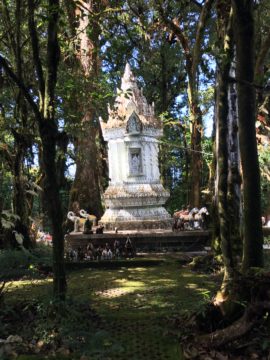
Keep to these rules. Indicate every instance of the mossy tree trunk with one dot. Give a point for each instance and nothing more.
(227, 186)
(48, 132)
(244, 34)
(234, 176)
(222, 159)
(45, 117)
(85, 189)
(86, 186)
(1, 195)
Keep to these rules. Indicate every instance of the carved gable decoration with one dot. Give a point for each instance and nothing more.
(134, 124)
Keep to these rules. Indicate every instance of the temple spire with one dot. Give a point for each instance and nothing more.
(128, 79)
(131, 99)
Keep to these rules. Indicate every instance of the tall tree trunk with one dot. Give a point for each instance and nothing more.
(48, 133)
(196, 151)
(221, 233)
(85, 188)
(45, 117)
(244, 32)
(234, 176)
(222, 152)
(1, 197)
(215, 241)
(227, 158)
(86, 185)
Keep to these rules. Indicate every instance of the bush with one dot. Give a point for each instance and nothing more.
(267, 240)
(17, 263)
(42, 253)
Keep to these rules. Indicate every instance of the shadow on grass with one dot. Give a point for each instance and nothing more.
(133, 305)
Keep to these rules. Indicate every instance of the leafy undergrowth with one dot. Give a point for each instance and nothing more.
(15, 264)
(119, 313)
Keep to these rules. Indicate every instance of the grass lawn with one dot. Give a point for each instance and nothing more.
(133, 306)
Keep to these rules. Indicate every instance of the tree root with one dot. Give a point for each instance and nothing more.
(252, 315)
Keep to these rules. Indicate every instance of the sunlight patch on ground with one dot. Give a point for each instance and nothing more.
(191, 286)
(139, 269)
(13, 285)
(115, 292)
(126, 287)
(130, 283)
(164, 282)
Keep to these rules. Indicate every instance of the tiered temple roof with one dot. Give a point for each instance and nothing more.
(130, 99)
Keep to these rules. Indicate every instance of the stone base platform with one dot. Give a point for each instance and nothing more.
(144, 240)
(138, 225)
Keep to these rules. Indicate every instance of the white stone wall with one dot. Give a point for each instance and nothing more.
(120, 166)
(117, 161)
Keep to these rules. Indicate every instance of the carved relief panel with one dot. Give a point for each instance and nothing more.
(135, 161)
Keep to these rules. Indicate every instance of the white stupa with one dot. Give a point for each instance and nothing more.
(135, 196)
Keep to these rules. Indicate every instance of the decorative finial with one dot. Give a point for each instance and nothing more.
(127, 71)
(128, 79)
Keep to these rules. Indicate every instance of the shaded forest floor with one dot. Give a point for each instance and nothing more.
(133, 312)
(122, 313)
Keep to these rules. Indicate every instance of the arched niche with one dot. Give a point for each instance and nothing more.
(134, 125)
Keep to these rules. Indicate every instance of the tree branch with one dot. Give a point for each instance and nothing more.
(22, 87)
(257, 87)
(10, 34)
(197, 50)
(53, 55)
(175, 28)
(70, 9)
(35, 50)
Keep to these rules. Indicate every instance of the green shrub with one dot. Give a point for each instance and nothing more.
(267, 240)
(42, 254)
(18, 263)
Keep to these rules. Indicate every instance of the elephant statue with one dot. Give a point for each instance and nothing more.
(82, 223)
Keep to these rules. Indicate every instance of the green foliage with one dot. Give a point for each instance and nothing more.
(266, 240)
(17, 263)
(5, 188)
(8, 219)
(14, 263)
(69, 322)
(178, 198)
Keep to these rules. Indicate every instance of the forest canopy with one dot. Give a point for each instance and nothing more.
(205, 65)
